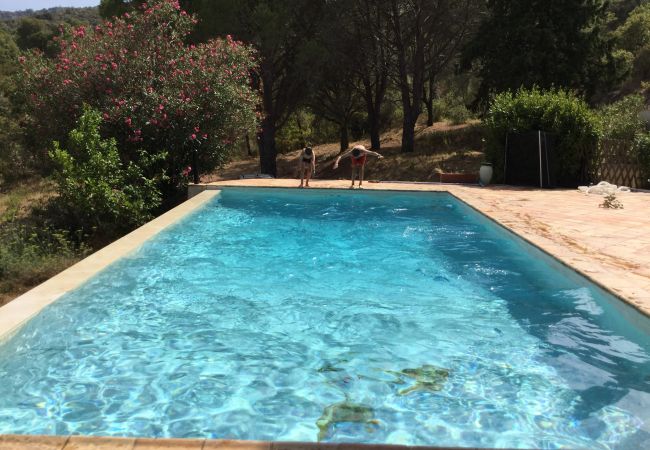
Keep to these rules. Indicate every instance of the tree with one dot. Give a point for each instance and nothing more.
(8, 56)
(424, 37)
(542, 43)
(633, 38)
(10, 163)
(114, 8)
(371, 58)
(36, 33)
(154, 91)
(282, 32)
(336, 94)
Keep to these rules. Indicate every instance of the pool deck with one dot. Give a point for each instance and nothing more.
(12, 442)
(610, 247)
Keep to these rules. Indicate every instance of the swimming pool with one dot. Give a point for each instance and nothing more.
(340, 316)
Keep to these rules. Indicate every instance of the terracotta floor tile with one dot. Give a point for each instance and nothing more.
(303, 446)
(94, 443)
(13, 442)
(168, 444)
(225, 444)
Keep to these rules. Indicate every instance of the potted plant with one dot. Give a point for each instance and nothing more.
(485, 173)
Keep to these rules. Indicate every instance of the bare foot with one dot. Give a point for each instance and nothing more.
(352, 187)
(301, 186)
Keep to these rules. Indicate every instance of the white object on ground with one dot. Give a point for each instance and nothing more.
(604, 188)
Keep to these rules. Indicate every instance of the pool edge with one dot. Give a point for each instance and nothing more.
(23, 308)
(13, 442)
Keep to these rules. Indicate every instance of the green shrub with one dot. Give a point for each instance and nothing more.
(642, 147)
(554, 111)
(31, 251)
(296, 132)
(96, 190)
(458, 114)
(621, 120)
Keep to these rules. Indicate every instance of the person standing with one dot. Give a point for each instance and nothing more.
(307, 166)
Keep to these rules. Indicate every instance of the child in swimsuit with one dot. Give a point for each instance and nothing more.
(307, 165)
(358, 156)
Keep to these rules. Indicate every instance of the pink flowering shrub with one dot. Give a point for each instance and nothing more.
(154, 90)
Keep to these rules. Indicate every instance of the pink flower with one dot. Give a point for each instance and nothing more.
(127, 121)
(193, 136)
(186, 172)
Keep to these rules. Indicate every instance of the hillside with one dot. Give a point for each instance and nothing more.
(73, 16)
(439, 148)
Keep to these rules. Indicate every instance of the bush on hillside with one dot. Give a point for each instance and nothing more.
(97, 192)
(154, 91)
(642, 146)
(621, 120)
(554, 111)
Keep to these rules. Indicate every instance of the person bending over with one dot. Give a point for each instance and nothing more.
(358, 157)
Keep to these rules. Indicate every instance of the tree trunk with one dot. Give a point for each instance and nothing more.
(428, 101)
(266, 144)
(375, 143)
(408, 133)
(345, 140)
(249, 150)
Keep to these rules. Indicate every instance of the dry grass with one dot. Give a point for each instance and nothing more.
(18, 199)
(30, 251)
(440, 148)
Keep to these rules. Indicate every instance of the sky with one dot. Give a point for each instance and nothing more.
(19, 5)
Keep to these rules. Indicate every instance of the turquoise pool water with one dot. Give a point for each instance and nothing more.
(340, 316)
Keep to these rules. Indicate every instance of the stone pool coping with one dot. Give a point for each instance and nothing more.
(14, 442)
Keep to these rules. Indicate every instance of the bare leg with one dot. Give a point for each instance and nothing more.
(307, 175)
(361, 175)
(302, 174)
(353, 174)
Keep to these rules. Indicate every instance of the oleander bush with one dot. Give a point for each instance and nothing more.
(155, 91)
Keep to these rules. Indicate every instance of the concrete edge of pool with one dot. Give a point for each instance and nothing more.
(17, 312)
(23, 442)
